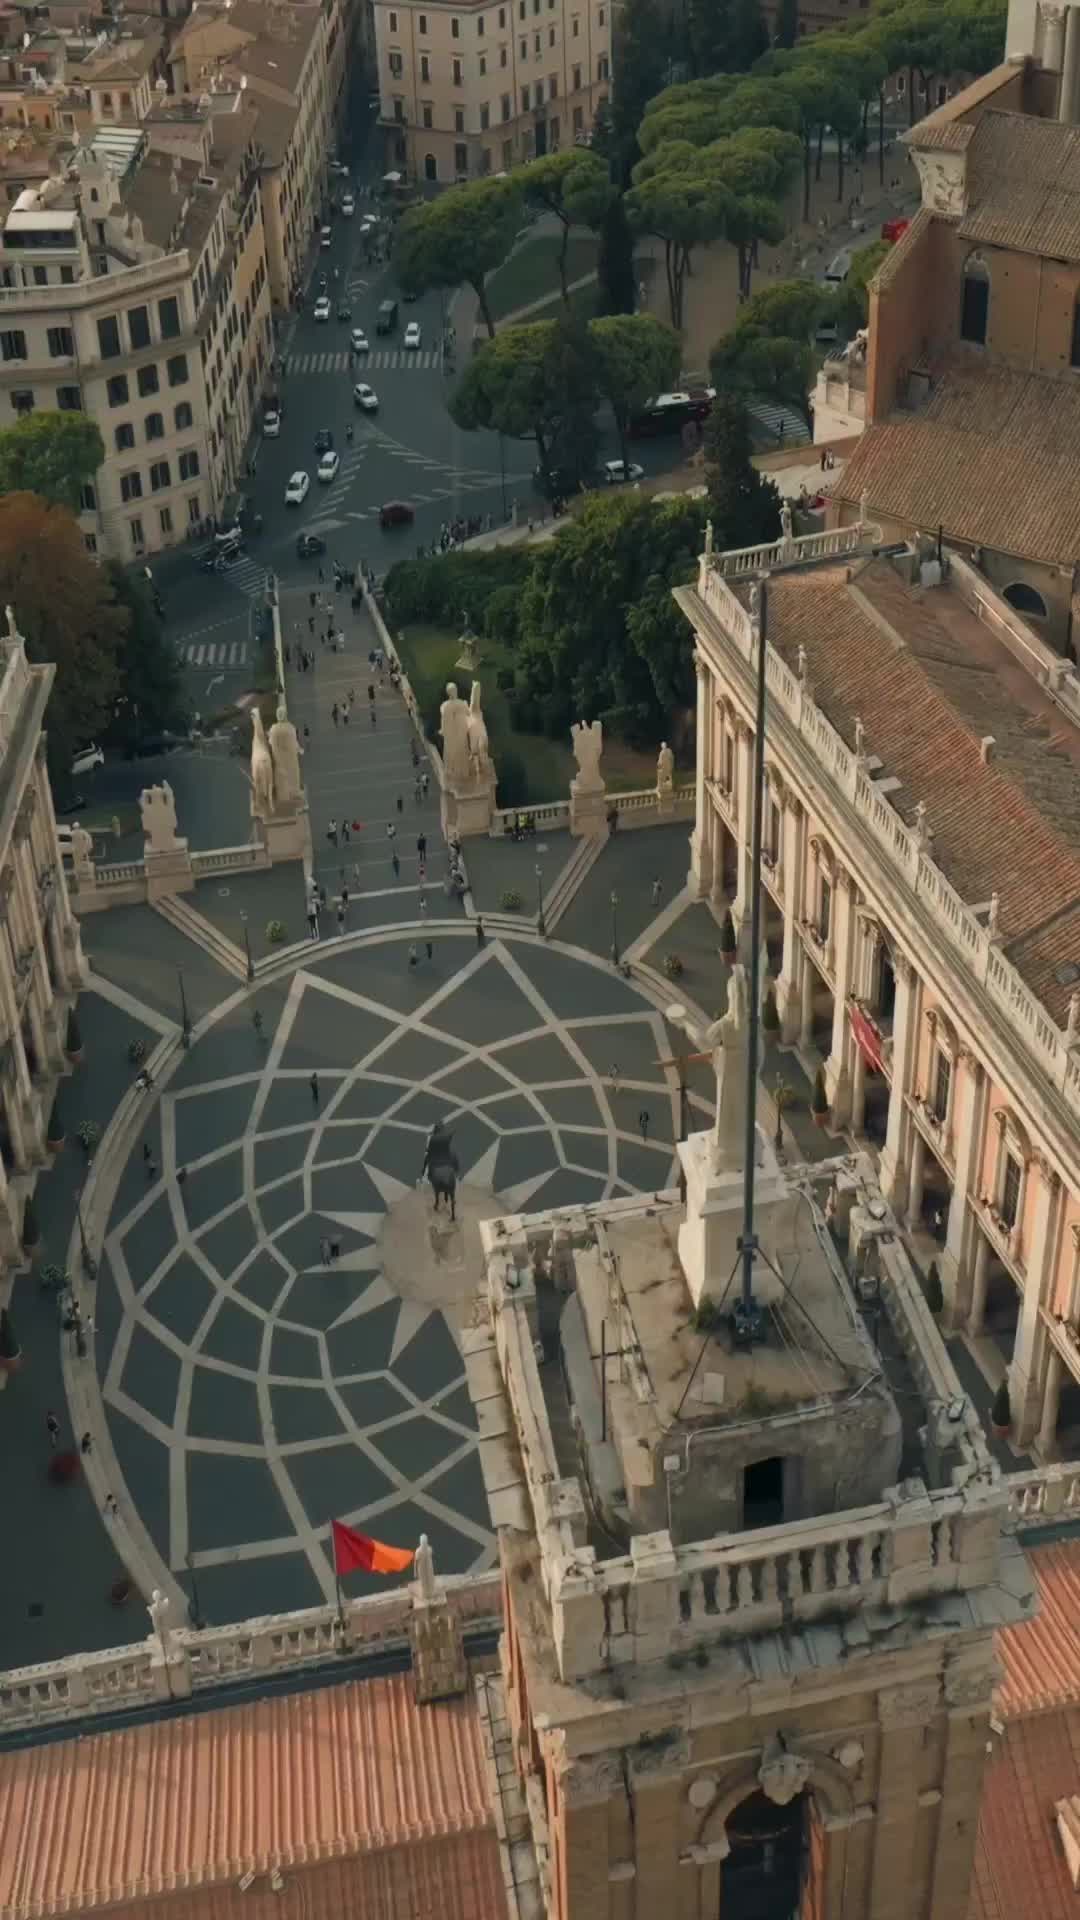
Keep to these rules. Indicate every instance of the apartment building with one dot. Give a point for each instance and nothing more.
(135, 288)
(468, 91)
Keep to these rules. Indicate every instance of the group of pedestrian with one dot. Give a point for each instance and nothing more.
(330, 1249)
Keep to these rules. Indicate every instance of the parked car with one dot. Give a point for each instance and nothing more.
(358, 341)
(386, 318)
(344, 311)
(324, 237)
(328, 466)
(412, 334)
(348, 206)
(272, 423)
(337, 168)
(297, 490)
(87, 759)
(324, 440)
(396, 513)
(322, 307)
(309, 546)
(365, 398)
(615, 472)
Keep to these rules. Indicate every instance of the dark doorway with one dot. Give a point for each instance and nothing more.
(760, 1879)
(541, 138)
(763, 1492)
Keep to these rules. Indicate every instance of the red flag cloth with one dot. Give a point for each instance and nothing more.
(359, 1553)
(866, 1037)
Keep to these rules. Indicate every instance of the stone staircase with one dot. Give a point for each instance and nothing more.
(195, 927)
(566, 884)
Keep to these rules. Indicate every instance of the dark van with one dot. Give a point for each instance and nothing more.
(386, 318)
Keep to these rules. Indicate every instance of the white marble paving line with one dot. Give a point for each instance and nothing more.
(533, 995)
(660, 924)
(128, 1003)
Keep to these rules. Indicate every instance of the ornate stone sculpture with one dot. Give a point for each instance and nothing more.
(729, 1040)
(782, 1774)
(454, 727)
(665, 769)
(588, 745)
(158, 809)
(262, 768)
(425, 1570)
(285, 755)
(82, 848)
(158, 1609)
(479, 757)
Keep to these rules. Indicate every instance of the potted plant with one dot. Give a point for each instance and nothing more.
(935, 1298)
(53, 1278)
(511, 900)
(89, 1135)
(31, 1227)
(819, 1103)
(770, 1019)
(73, 1041)
(10, 1350)
(728, 942)
(275, 932)
(1001, 1412)
(673, 966)
(54, 1132)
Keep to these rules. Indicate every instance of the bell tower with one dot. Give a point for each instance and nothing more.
(750, 1593)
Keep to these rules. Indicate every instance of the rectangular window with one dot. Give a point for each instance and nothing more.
(131, 486)
(577, 79)
(399, 112)
(553, 133)
(553, 86)
(155, 426)
(502, 56)
(457, 73)
(525, 98)
(483, 65)
(423, 23)
(603, 68)
(41, 276)
(523, 49)
(13, 343)
(393, 23)
(551, 36)
(87, 499)
(138, 327)
(485, 117)
(506, 106)
(169, 317)
(147, 380)
(426, 114)
(108, 333)
(425, 67)
(826, 908)
(61, 343)
(189, 465)
(160, 476)
(502, 16)
(117, 390)
(461, 160)
(22, 399)
(1010, 1190)
(177, 370)
(69, 399)
(455, 29)
(165, 519)
(124, 436)
(942, 1085)
(536, 45)
(396, 65)
(508, 153)
(459, 119)
(575, 27)
(480, 27)
(579, 119)
(137, 540)
(194, 511)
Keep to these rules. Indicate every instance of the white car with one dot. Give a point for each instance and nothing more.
(369, 221)
(348, 206)
(337, 167)
(322, 307)
(616, 471)
(366, 398)
(325, 238)
(297, 490)
(328, 466)
(271, 423)
(412, 334)
(87, 759)
(358, 341)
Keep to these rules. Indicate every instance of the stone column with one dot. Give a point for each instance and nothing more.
(1051, 1406)
(744, 825)
(787, 986)
(1068, 104)
(701, 877)
(980, 1272)
(968, 1701)
(806, 1000)
(858, 1089)
(1028, 1347)
(905, 1713)
(844, 928)
(1053, 38)
(916, 1179)
(905, 1034)
(39, 998)
(969, 1107)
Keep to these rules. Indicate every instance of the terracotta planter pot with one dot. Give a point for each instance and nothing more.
(11, 1363)
(76, 1057)
(54, 1146)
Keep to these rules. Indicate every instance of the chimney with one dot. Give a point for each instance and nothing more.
(986, 748)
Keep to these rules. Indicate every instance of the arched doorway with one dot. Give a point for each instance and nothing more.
(431, 167)
(762, 1877)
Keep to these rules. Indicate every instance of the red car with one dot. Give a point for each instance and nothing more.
(396, 513)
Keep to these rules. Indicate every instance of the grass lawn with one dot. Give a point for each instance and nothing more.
(533, 271)
(429, 654)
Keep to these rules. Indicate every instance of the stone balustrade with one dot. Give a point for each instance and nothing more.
(90, 1684)
(1044, 1495)
(743, 562)
(125, 282)
(229, 859)
(119, 873)
(552, 815)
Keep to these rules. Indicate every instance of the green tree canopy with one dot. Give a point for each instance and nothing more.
(151, 697)
(54, 455)
(460, 237)
(637, 356)
(616, 284)
(768, 352)
(744, 506)
(532, 382)
(574, 186)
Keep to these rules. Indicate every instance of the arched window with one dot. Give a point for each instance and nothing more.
(431, 167)
(975, 300)
(1025, 599)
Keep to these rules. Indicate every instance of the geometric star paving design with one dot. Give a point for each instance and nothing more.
(251, 1394)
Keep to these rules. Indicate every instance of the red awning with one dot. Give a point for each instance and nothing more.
(866, 1037)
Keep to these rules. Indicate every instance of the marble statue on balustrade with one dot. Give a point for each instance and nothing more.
(588, 812)
(278, 805)
(468, 788)
(729, 1040)
(285, 754)
(425, 1570)
(262, 769)
(454, 728)
(82, 851)
(166, 857)
(665, 769)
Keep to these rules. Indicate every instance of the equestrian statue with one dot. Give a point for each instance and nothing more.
(442, 1166)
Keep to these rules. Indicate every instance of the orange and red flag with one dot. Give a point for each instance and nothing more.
(359, 1553)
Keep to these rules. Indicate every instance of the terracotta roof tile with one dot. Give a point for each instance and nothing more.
(1040, 1659)
(350, 1771)
(993, 457)
(1023, 186)
(1020, 1871)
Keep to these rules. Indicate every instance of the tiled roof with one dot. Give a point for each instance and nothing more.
(1023, 186)
(350, 1772)
(929, 681)
(1040, 1659)
(1020, 1871)
(993, 456)
(939, 128)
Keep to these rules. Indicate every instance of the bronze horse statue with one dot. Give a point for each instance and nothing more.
(441, 1166)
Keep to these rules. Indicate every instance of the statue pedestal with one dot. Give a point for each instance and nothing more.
(168, 870)
(665, 802)
(440, 1669)
(286, 836)
(714, 1198)
(588, 808)
(469, 810)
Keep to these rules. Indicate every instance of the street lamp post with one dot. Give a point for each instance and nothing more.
(541, 926)
(614, 929)
(185, 1017)
(247, 947)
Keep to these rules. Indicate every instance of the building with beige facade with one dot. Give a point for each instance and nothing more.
(469, 91)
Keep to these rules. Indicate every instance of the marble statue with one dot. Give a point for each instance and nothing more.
(729, 1040)
(665, 769)
(454, 727)
(425, 1570)
(12, 629)
(158, 809)
(588, 745)
(709, 537)
(82, 848)
(285, 755)
(478, 734)
(158, 1609)
(785, 521)
(262, 768)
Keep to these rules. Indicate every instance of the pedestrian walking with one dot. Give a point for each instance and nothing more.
(421, 871)
(425, 782)
(181, 1176)
(335, 1248)
(481, 936)
(334, 713)
(371, 693)
(421, 844)
(111, 1508)
(341, 917)
(313, 1083)
(344, 716)
(344, 896)
(400, 804)
(657, 890)
(86, 1443)
(311, 624)
(146, 1152)
(356, 873)
(423, 902)
(313, 923)
(345, 833)
(151, 1169)
(613, 1076)
(311, 598)
(643, 1124)
(430, 949)
(391, 831)
(257, 1023)
(52, 1426)
(418, 791)
(324, 1251)
(396, 864)
(413, 956)
(331, 833)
